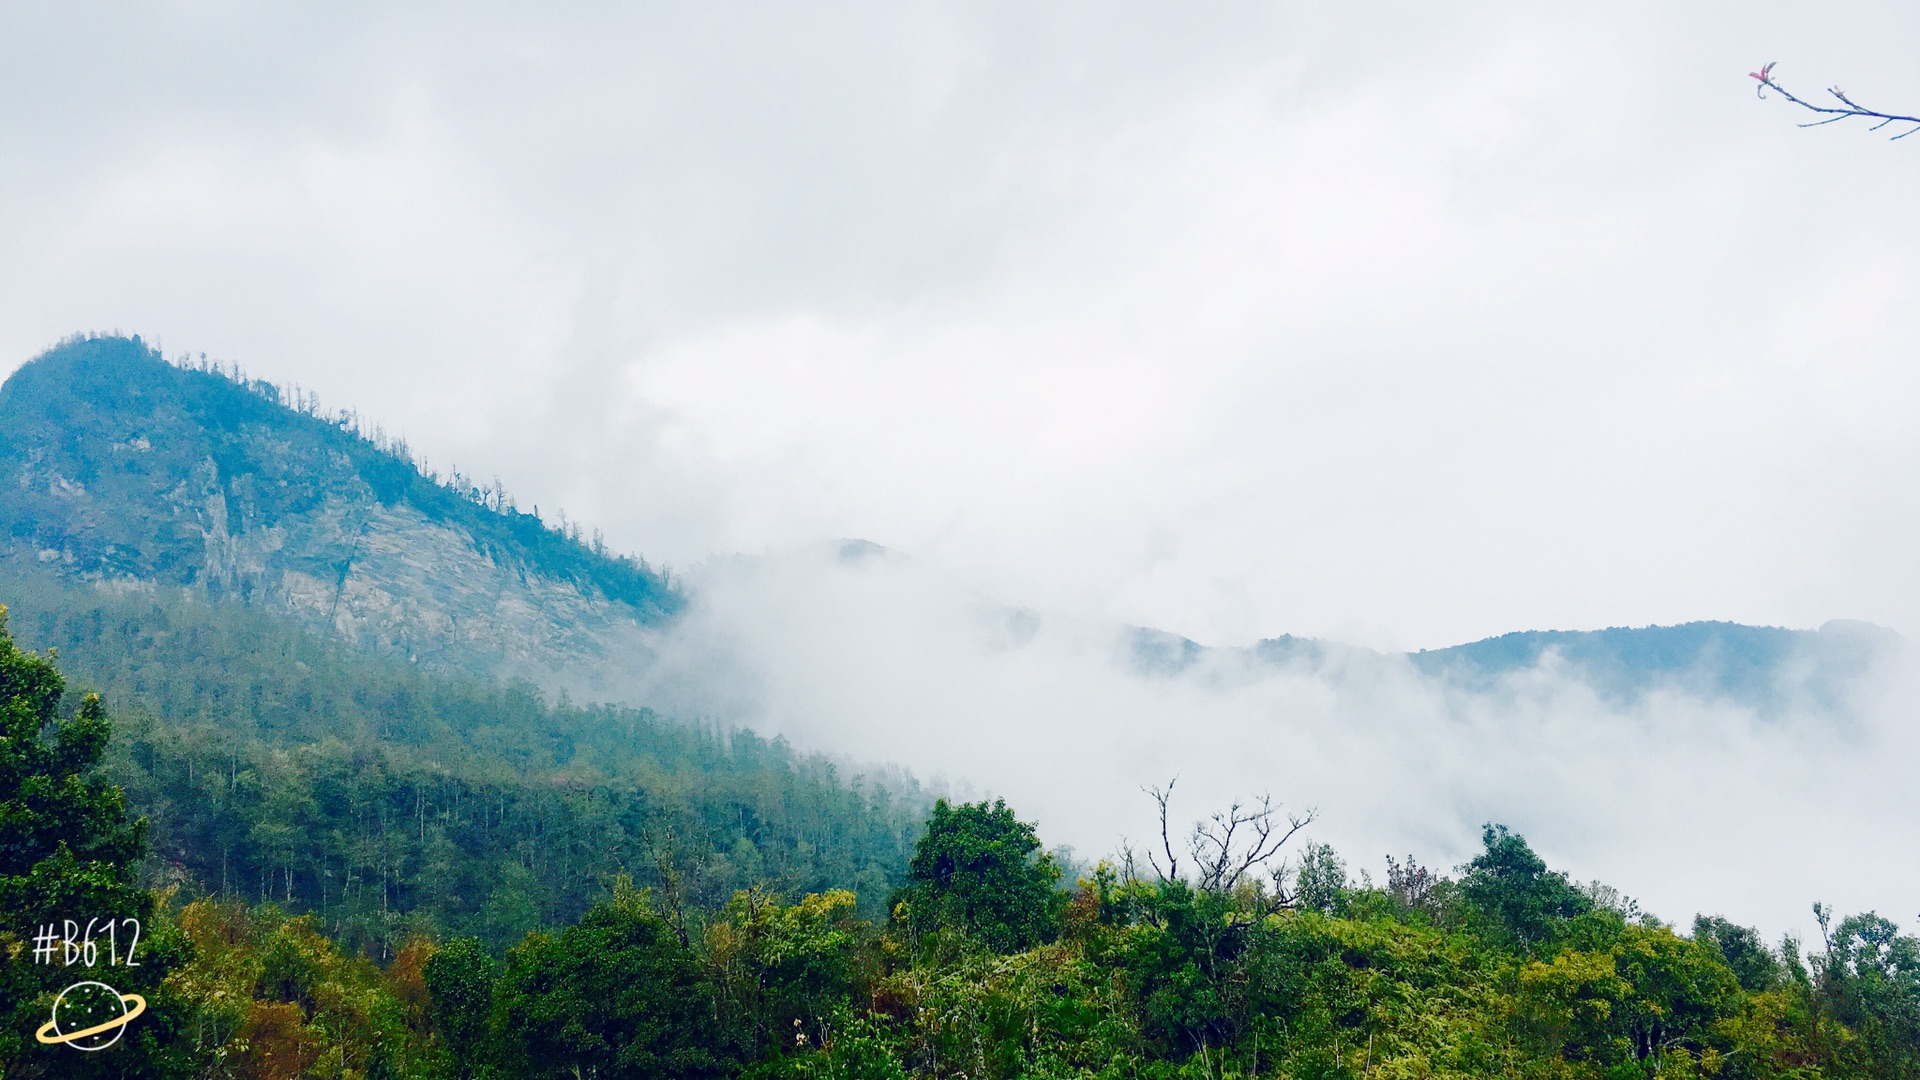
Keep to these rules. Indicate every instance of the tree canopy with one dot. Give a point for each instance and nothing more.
(68, 853)
(979, 870)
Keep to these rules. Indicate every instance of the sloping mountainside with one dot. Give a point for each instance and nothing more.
(121, 469)
(333, 676)
(276, 764)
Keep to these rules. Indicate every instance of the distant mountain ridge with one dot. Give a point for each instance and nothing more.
(1719, 659)
(125, 470)
(1758, 666)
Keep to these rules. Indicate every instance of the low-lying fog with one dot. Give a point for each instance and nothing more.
(1686, 803)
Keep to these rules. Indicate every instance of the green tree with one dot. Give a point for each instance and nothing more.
(69, 852)
(460, 978)
(1624, 995)
(1742, 949)
(269, 995)
(618, 994)
(1320, 884)
(1184, 955)
(1514, 894)
(784, 968)
(1869, 979)
(979, 870)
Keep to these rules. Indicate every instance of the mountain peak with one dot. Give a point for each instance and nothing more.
(128, 471)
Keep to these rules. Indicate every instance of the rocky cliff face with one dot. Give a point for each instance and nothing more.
(122, 470)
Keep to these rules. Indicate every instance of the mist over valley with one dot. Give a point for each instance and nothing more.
(136, 477)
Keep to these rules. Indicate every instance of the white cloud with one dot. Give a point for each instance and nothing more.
(1689, 803)
(1417, 323)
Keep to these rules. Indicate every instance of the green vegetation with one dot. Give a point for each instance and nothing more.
(389, 802)
(982, 970)
(67, 847)
(978, 872)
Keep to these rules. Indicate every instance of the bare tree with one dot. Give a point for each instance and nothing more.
(1230, 844)
(1847, 109)
(662, 850)
(1161, 795)
(1409, 883)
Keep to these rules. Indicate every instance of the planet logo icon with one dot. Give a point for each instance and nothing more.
(90, 1016)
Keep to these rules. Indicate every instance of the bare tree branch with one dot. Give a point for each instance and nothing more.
(660, 848)
(1230, 844)
(1160, 796)
(1833, 115)
(1409, 883)
(1225, 852)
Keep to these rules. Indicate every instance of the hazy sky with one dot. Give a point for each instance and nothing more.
(1388, 322)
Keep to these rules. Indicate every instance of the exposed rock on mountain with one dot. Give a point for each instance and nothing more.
(124, 470)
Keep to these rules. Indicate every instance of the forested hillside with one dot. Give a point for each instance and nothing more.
(1233, 962)
(275, 765)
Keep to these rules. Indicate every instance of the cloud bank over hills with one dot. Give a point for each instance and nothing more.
(1694, 782)
(1697, 762)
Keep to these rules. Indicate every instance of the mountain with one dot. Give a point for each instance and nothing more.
(326, 672)
(1759, 666)
(1766, 668)
(132, 473)
(301, 639)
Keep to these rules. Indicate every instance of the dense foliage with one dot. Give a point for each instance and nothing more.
(387, 801)
(983, 969)
(67, 848)
(979, 872)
